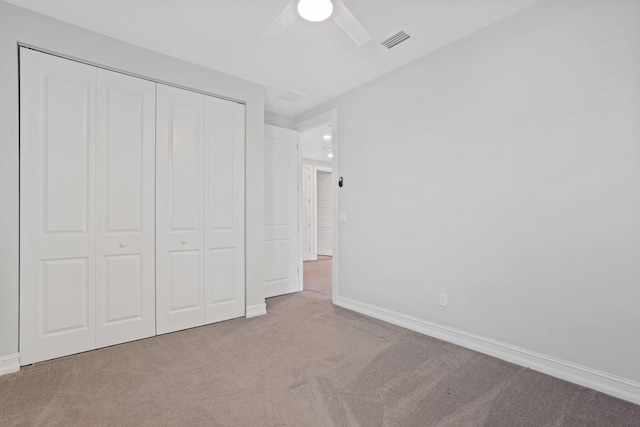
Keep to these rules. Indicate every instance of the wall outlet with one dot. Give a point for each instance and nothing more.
(342, 217)
(443, 300)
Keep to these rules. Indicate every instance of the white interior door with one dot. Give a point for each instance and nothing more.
(179, 209)
(306, 213)
(324, 212)
(281, 211)
(57, 207)
(125, 209)
(224, 210)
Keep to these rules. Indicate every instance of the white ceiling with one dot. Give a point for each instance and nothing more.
(316, 59)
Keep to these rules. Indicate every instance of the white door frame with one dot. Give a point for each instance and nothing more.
(330, 116)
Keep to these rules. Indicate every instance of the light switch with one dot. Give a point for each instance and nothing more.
(342, 217)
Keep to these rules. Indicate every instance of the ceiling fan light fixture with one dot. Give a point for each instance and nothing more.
(315, 10)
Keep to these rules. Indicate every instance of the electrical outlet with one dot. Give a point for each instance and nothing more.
(443, 300)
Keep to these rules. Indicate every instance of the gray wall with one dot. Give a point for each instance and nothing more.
(504, 170)
(19, 25)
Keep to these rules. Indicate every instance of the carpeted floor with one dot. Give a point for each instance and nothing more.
(307, 363)
(317, 275)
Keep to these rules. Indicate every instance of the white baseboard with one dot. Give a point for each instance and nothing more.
(581, 375)
(9, 364)
(256, 310)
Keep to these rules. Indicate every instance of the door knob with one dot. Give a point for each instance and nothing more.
(184, 242)
(122, 244)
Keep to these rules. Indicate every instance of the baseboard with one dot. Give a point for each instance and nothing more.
(587, 377)
(256, 310)
(9, 364)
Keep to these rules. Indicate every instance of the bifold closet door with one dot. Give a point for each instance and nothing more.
(87, 177)
(125, 209)
(57, 207)
(224, 210)
(180, 159)
(199, 209)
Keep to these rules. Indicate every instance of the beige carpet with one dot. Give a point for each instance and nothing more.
(317, 275)
(307, 363)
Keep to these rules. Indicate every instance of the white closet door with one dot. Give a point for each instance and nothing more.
(179, 209)
(306, 213)
(224, 210)
(281, 211)
(324, 209)
(125, 209)
(57, 208)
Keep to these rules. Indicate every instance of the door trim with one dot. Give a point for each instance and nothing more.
(330, 116)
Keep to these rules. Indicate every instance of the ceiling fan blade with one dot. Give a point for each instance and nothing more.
(350, 24)
(282, 22)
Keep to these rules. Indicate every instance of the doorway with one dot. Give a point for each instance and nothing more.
(317, 208)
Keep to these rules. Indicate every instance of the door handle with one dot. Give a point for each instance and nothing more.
(123, 244)
(184, 242)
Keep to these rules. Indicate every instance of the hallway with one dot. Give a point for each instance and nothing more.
(318, 275)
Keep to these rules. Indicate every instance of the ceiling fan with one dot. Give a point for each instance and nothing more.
(315, 11)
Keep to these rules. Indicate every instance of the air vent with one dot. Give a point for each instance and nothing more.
(395, 40)
(292, 95)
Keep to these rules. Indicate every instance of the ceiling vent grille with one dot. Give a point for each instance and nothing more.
(395, 40)
(292, 95)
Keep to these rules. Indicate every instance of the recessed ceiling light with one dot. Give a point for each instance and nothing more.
(315, 10)
(326, 137)
(330, 155)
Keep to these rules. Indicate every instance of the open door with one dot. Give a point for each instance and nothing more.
(282, 275)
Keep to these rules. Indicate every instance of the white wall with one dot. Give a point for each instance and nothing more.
(19, 25)
(504, 170)
(279, 120)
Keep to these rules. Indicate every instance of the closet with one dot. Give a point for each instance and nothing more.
(200, 205)
(131, 208)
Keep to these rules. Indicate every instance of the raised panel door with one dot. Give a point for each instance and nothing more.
(57, 207)
(224, 210)
(281, 211)
(125, 208)
(180, 161)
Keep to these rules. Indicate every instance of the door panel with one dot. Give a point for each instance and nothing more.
(220, 279)
(179, 209)
(64, 295)
(224, 210)
(123, 289)
(185, 282)
(185, 166)
(57, 213)
(65, 146)
(281, 211)
(125, 209)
